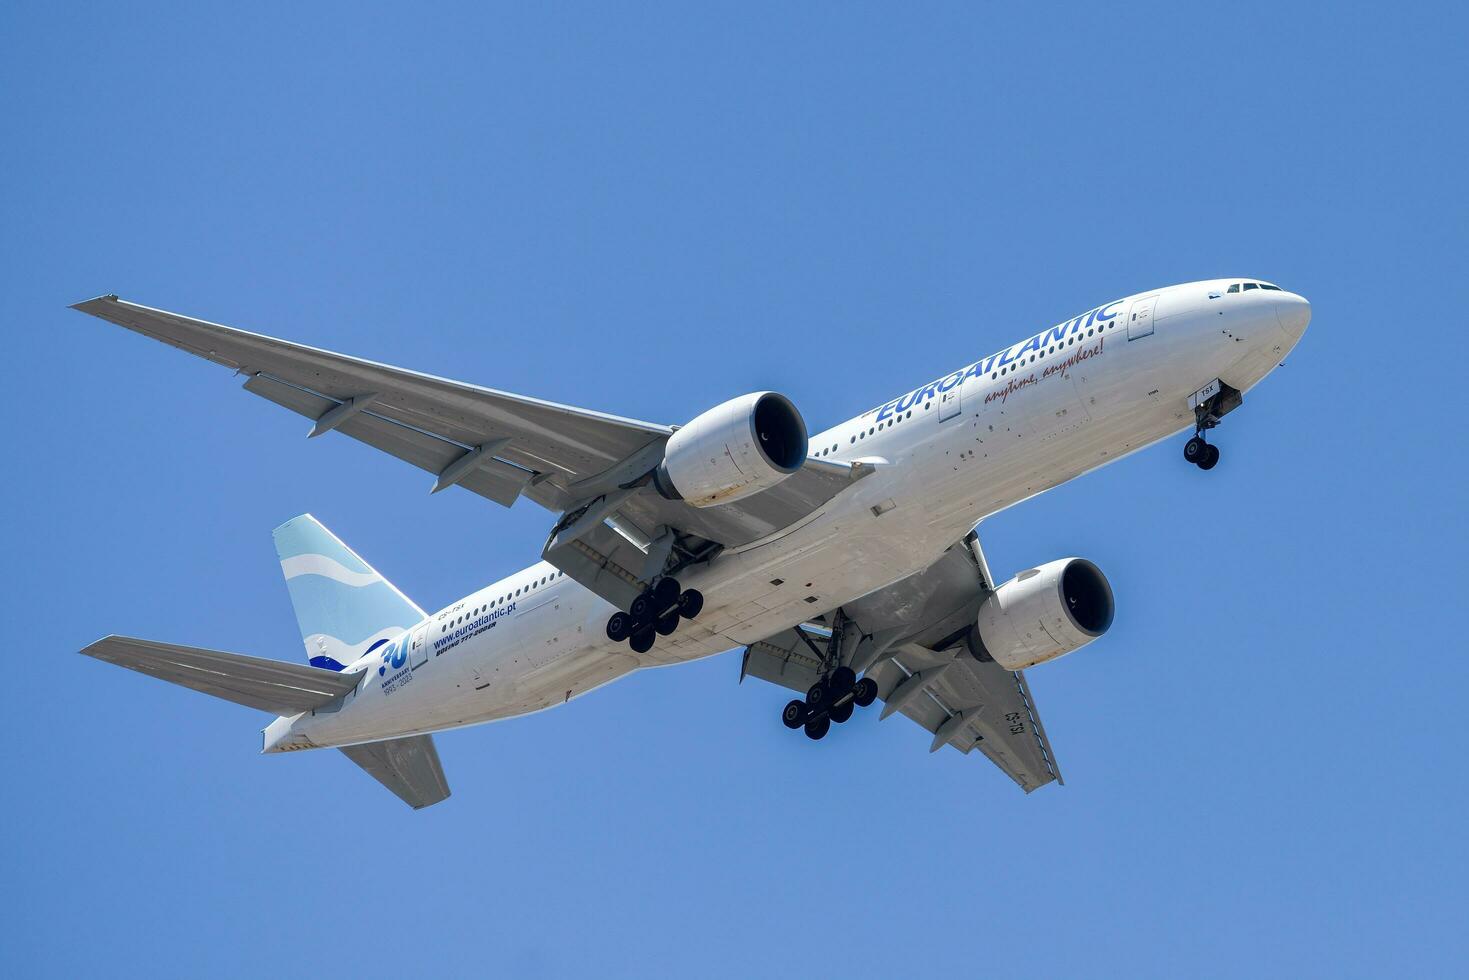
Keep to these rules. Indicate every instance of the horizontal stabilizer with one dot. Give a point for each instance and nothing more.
(407, 766)
(270, 685)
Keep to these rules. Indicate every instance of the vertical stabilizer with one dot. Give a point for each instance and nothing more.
(344, 607)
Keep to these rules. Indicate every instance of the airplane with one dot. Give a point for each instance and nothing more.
(846, 563)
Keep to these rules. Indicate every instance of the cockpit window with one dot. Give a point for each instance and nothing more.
(1266, 285)
(1251, 285)
(1234, 287)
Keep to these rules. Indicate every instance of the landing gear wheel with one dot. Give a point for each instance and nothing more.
(842, 680)
(866, 692)
(817, 696)
(690, 603)
(1196, 450)
(842, 712)
(667, 624)
(794, 715)
(1211, 458)
(618, 627)
(642, 641)
(665, 594)
(816, 730)
(641, 607)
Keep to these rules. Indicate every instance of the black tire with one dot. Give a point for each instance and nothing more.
(667, 624)
(1211, 458)
(665, 594)
(816, 730)
(866, 692)
(690, 603)
(794, 715)
(641, 607)
(842, 680)
(618, 627)
(842, 712)
(642, 641)
(1195, 450)
(817, 695)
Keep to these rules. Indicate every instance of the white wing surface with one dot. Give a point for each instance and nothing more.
(493, 443)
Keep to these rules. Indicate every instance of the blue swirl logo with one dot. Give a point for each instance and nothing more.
(394, 655)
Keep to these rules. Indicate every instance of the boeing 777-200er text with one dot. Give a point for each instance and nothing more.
(846, 562)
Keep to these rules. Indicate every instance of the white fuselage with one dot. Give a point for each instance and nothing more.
(1044, 411)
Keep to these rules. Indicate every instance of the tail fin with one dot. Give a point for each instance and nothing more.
(344, 607)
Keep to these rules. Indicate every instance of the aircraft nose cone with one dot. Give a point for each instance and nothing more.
(1294, 313)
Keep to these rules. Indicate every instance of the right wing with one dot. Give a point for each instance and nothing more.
(502, 446)
(430, 422)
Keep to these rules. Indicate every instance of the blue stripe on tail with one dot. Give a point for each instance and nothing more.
(343, 606)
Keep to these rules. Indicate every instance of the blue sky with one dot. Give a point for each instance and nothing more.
(645, 210)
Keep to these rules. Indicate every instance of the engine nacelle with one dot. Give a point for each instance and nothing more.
(1046, 612)
(746, 445)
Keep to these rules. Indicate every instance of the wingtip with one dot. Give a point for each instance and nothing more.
(90, 649)
(88, 305)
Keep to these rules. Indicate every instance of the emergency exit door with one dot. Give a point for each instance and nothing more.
(1140, 318)
(949, 403)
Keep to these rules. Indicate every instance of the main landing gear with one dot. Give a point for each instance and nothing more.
(654, 613)
(831, 699)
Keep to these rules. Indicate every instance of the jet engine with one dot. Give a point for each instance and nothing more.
(1045, 612)
(746, 445)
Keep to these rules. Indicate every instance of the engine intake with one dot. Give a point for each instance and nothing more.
(1045, 612)
(746, 445)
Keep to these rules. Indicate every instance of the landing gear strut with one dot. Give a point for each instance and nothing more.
(1210, 404)
(833, 698)
(655, 612)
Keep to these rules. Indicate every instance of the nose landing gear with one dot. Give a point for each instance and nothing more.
(1210, 404)
(1200, 453)
(656, 612)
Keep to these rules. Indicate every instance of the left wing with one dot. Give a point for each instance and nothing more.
(962, 701)
(914, 645)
